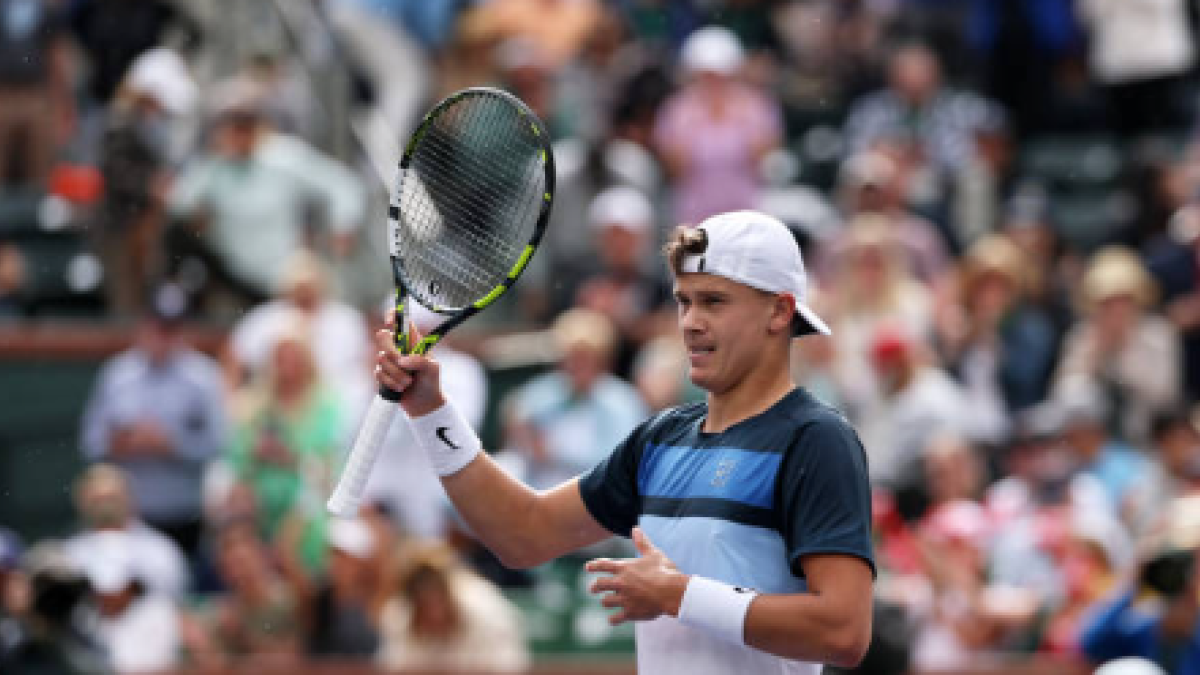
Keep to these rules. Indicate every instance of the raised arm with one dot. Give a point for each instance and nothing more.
(521, 526)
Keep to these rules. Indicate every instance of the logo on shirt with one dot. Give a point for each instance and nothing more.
(724, 469)
(441, 434)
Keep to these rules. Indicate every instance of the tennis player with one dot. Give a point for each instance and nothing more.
(750, 511)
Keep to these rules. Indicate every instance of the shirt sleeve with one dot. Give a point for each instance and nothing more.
(610, 489)
(825, 495)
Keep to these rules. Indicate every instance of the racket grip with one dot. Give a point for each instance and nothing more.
(352, 486)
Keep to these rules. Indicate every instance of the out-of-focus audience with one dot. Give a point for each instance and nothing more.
(158, 412)
(998, 200)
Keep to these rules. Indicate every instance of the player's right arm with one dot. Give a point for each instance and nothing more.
(521, 526)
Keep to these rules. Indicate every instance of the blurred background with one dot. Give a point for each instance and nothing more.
(998, 202)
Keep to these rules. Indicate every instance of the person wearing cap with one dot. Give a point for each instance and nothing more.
(139, 147)
(1130, 351)
(564, 421)
(714, 132)
(615, 278)
(343, 604)
(994, 337)
(751, 511)
(249, 196)
(157, 411)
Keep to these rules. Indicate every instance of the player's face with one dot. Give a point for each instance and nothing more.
(725, 327)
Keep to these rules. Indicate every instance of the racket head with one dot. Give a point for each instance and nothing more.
(472, 198)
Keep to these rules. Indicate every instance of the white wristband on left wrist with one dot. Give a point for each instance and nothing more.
(717, 608)
(447, 438)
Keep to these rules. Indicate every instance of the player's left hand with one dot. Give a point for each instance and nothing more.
(643, 588)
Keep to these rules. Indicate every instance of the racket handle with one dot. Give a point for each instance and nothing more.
(352, 486)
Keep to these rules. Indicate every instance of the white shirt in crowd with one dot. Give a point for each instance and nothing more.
(144, 638)
(160, 564)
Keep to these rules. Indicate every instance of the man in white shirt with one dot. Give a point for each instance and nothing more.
(103, 500)
(138, 627)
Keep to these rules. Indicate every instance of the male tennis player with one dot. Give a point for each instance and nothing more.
(751, 511)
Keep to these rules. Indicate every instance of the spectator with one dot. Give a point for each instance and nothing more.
(1174, 260)
(1123, 471)
(616, 279)
(567, 420)
(157, 412)
(999, 345)
(342, 623)
(137, 626)
(260, 616)
(51, 634)
(968, 614)
(940, 123)
(35, 85)
(443, 616)
(114, 33)
(1165, 632)
(338, 332)
(557, 28)
(1175, 444)
(870, 286)
(139, 147)
(875, 184)
(954, 470)
(1141, 53)
(421, 506)
(287, 440)
(103, 501)
(248, 195)
(1117, 336)
(1096, 553)
(1049, 267)
(918, 400)
(713, 133)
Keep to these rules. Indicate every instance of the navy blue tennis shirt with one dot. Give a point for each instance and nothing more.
(742, 506)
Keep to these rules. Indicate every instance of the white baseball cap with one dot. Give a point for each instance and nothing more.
(161, 73)
(712, 49)
(757, 250)
(621, 206)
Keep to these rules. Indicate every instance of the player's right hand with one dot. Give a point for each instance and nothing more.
(414, 377)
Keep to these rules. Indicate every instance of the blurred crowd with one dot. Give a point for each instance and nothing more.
(998, 202)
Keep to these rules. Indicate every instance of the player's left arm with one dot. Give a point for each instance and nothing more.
(830, 623)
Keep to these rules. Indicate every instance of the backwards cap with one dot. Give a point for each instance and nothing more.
(757, 250)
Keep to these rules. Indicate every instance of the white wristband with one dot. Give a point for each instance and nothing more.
(448, 440)
(717, 608)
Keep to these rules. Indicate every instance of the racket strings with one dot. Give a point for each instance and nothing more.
(469, 201)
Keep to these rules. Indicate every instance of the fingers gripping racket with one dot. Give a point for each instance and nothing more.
(471, 199)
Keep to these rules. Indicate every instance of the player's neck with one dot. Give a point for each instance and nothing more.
(752, 396)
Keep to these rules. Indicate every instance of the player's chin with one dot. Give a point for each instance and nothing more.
(702, 377)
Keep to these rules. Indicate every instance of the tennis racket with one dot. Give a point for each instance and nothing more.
(470, 202)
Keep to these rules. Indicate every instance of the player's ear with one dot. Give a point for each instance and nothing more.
(783, 310)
